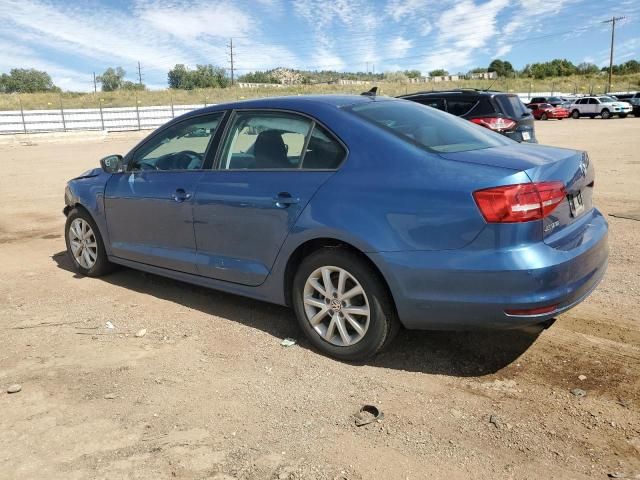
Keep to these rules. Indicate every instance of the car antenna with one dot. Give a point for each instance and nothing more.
(489, 87)
(371, 93)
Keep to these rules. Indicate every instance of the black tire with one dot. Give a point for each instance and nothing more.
(575, 114)
(383, 324)
(605, 114)
(623, 115)
(544, 117)
(101, 266)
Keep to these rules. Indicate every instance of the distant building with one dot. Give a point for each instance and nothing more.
(482, 76)
(344, 81)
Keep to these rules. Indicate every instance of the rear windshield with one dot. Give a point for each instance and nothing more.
(427, 127)
(512, 106)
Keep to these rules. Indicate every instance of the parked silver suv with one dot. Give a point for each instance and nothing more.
(603, 105)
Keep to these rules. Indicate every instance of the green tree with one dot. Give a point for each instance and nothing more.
(127, 85)
(501, 67)
(478, 70)
(111, 79)
(204, 76)
(413, 73)
(395, 77)
(438, 72)
(258, 77)
(586, 68)
(23, 80)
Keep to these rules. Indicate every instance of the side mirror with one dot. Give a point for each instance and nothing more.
(112, 163)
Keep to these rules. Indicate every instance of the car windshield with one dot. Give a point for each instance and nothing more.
(606, 99)
(427, 127)
(545, 105)
(554, 99)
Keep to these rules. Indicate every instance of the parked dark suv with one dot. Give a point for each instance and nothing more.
(630, 97)
(501, 112)
(554, 101)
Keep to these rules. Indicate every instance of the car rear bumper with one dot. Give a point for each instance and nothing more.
(469, 289)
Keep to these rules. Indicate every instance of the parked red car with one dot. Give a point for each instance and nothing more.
(545, 111)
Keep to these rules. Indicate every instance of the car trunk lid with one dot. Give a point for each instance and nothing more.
(543, 164)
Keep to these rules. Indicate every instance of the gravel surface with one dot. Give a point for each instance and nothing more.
(209, 392)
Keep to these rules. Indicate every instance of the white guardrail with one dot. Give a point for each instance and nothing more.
(73, 119)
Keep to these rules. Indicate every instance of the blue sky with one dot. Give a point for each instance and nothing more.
(71, 40)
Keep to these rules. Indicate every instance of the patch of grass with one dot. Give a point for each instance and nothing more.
(127, 98)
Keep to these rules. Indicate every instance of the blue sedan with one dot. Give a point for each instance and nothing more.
(363, 213)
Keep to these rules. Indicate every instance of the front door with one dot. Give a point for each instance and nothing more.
(269, 168)
(149, 207)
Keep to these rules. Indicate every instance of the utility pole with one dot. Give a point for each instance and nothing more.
(612, 21)
(231, 57)
(95, 86)
(139, 74)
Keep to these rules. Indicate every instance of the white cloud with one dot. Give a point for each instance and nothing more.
(398, 46)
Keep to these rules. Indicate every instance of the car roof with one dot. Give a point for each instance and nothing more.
(302, 102)
(457, 91)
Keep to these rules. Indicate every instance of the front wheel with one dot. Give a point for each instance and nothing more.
(575, 114)
(623, 115)
(84, 245)
(544, 117)
(342, 305)
(605, 114)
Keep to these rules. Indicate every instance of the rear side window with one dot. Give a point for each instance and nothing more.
(432, 102)
(460, 106)
(323, 151)
(511, 105)
(428, 128)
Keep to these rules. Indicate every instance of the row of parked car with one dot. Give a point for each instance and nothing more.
(605, 106)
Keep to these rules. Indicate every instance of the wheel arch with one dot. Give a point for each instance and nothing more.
(313, 245)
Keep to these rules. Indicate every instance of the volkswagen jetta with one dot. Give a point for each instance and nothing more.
(363, 213)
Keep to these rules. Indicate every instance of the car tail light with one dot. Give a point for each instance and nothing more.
(519, 203)
(532, 311)
(497, 124)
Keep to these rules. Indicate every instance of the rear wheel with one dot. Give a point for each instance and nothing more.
(605, 113)
(575, 114)
(342, 305)
(84, 245)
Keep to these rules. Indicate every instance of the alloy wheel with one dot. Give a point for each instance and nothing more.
(83, 243)
(336, 306)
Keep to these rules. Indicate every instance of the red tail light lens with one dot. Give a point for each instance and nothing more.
(519, 203)
(497, 124)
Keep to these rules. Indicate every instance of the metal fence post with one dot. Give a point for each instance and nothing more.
(101, 116)
(64, 124)
(138, 112)
(24, 125)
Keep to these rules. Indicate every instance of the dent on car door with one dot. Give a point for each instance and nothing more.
(269, 167)
(149, 206)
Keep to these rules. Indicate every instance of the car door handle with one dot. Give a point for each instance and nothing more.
(180, 195)
(284, 199)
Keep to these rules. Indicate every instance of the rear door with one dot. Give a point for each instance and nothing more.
(270, 165)
(149, 206)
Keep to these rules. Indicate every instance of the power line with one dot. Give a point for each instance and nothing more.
(230, 46)
(612, 21)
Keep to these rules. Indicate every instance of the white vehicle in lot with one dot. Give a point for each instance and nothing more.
(603, 105)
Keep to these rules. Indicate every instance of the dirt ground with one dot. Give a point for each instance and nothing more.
(209, 392)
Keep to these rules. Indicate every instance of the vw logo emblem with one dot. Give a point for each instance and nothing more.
(336, 305)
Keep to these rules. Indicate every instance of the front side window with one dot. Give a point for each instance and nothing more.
(428, 128)
(180, 147)
(265, 140)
